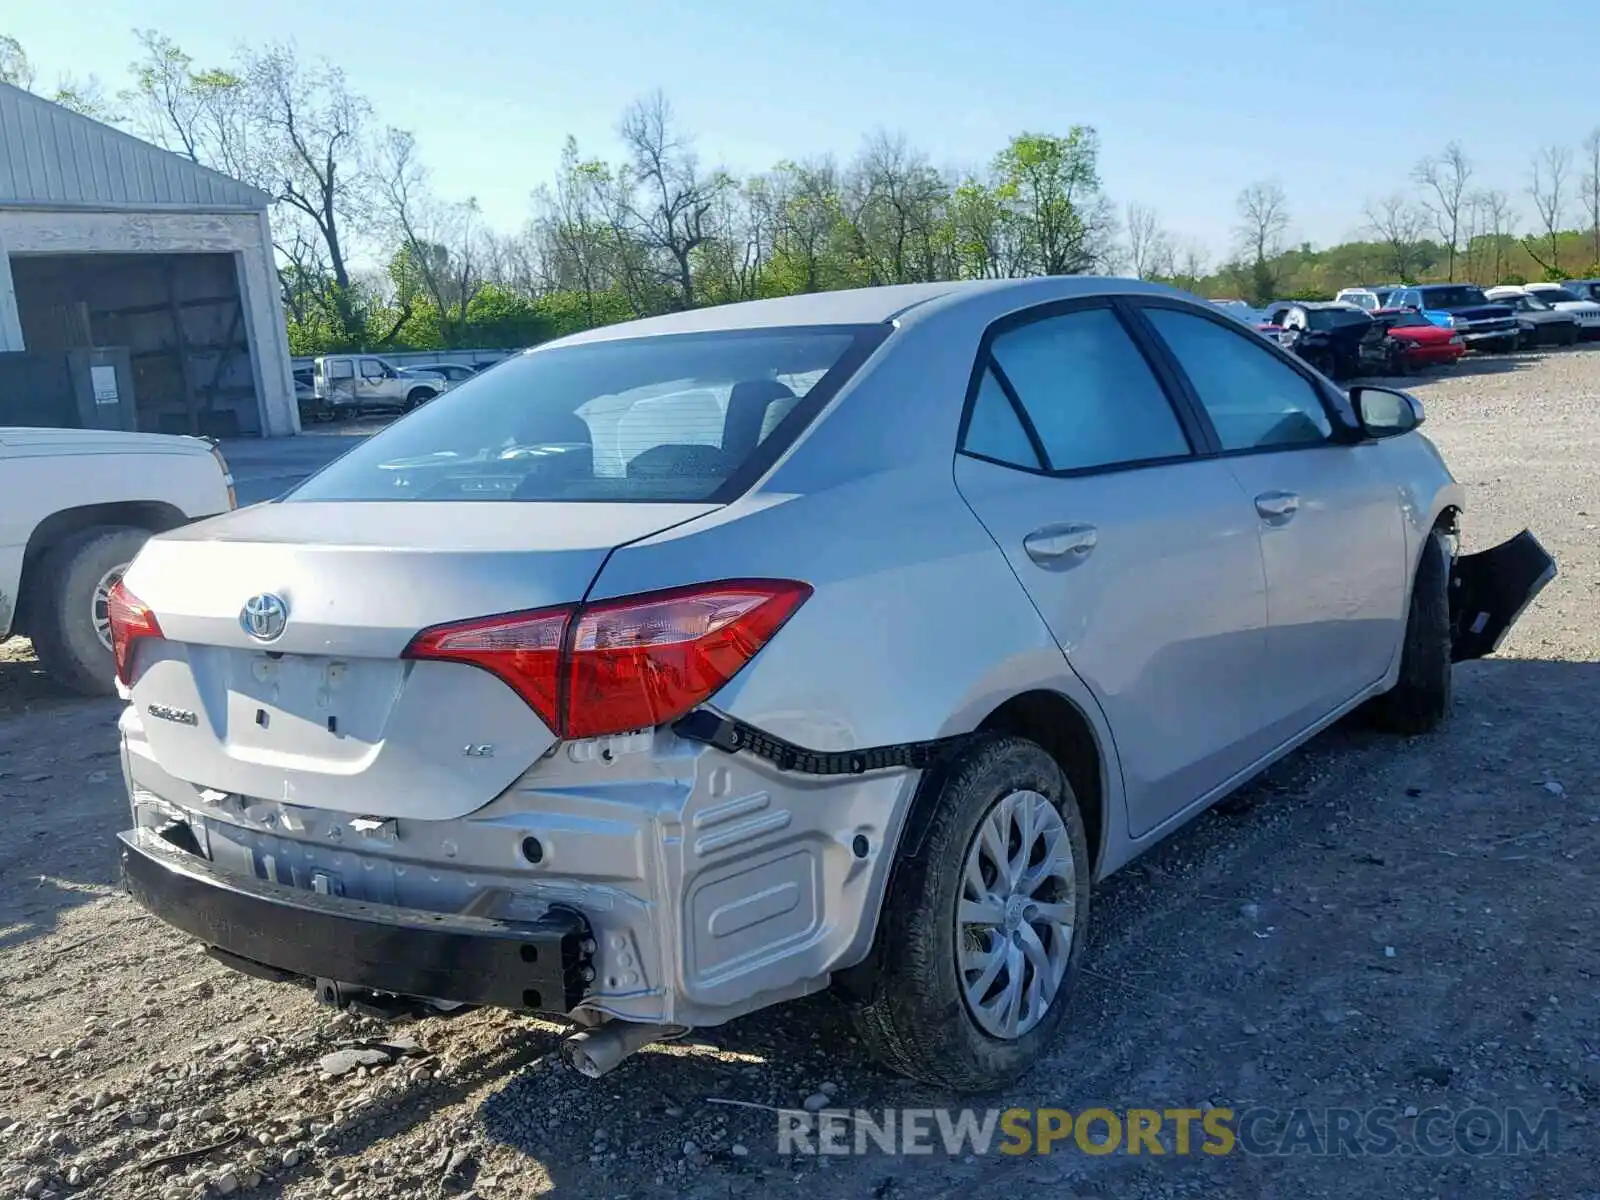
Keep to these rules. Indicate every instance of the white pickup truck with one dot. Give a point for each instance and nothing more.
(75, 506)
(353, 384)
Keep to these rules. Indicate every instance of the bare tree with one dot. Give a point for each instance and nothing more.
(207, 115)
(1471, 229)
(441, 244)
(1498, 221)
(577, 235)
(1548, 188)
(672, 200)
(1444, 180)
(16, 68)
(1150, 250)
(1399, 224)
(1590, 191)
(1190, 264)
(311, 126)
(86, 95)
(1263, 220)
(893, 202)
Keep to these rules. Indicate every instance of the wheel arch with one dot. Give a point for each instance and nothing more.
(1081, 746)
(155, 516)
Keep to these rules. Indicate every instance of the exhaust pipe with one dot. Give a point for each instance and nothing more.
(595, 1051)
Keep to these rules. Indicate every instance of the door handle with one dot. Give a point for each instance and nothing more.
(1278, 508)
(1057, 547)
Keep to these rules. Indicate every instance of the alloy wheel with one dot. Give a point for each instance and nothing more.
(1015, 914)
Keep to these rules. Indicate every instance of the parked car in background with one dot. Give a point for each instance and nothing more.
(1539, 323)
(1422, 343)
(1369, 297)
(612, 725)
(451, 373)
(1340, 340)
(1584, 289)
(1564, 299)
(313, 408)
(1240, 311)
(353, 384)
(1464, 308)
(75, 507)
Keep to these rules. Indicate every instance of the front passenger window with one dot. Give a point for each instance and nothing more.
(1254, 400)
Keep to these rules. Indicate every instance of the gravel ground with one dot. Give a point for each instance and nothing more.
(1376, 923)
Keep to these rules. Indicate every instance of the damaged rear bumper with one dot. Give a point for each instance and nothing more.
(535, 965)
(1490, 590)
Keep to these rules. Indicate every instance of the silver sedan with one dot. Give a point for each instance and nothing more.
(683, 667)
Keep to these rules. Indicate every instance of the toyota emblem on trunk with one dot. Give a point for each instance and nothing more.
(263, 617)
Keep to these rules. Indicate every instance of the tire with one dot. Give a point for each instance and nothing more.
(1420, 698)
(417, 397)
(916, 1018)
(62, 605)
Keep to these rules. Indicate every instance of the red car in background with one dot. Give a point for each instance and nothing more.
(1426, 344)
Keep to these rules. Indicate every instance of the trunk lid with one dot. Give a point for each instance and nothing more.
(327, 714)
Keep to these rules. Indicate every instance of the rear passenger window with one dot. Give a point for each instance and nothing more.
(1255, 400)
(995, 430)
(1092, 398)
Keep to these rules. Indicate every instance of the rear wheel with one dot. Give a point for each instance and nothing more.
(68, 606)
(1420, 698)
(983, 928)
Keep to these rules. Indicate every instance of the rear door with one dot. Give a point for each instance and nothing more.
(1141, 557)
(373, 389)
(1331, 530)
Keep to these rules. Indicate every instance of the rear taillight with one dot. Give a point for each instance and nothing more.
(524, 649)
(622, 664)
(130, 621)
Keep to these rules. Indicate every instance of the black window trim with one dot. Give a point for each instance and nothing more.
(1346, 429)
(1193, 431)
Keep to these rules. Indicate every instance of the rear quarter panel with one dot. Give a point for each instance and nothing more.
(917, 627)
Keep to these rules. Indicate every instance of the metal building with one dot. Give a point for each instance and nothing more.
(109, 242)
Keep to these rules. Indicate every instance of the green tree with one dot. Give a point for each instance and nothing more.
(1051, 185)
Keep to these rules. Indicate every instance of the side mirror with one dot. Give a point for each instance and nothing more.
(1385, 412)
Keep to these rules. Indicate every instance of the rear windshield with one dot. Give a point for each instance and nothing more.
(1452, 297)
(668, 418)
(1335, 318)
(1406, 321)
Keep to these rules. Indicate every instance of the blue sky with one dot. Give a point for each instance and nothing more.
(1192, 99)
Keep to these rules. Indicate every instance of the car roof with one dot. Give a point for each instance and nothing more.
(907, 303)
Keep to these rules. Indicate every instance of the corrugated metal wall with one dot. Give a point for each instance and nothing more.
(51, 156)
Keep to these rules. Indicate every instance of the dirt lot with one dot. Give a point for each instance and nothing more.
(1376, 924)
